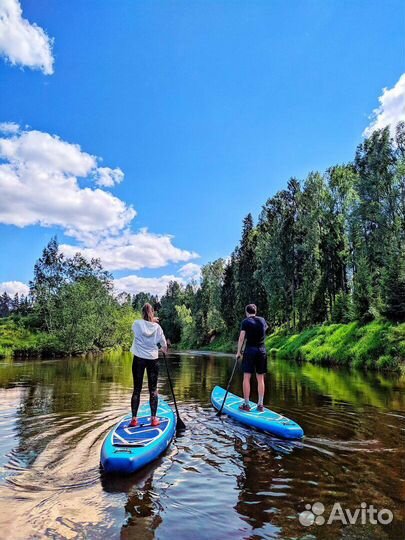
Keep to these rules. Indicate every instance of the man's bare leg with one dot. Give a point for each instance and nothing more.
(246, 387)
(260, 387)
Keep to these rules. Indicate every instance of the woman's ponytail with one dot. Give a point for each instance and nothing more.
(147, 313)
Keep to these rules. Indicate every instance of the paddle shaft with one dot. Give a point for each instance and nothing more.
(180, 424)
(227, 388)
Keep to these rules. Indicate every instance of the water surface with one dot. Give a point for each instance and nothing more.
(219, 479)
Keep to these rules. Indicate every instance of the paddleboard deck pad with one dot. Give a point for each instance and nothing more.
(267, 420)
(128, 449)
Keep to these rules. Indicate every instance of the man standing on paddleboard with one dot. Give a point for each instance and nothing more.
(253, 331)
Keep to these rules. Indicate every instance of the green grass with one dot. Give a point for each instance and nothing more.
(222, 343)
(377, 345)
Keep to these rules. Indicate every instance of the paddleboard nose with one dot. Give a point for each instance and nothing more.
(116, 464)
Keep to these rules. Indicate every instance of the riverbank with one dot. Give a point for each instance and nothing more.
(379, 345)
(19, 337)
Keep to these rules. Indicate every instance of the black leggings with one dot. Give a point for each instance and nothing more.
(138, 370)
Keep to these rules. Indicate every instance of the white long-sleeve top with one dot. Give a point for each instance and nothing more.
(147, 336)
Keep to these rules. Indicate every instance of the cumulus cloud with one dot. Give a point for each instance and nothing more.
(13, 287)
(107, 177)
(190, 271)
(133, 251)
(9, 127)
(153, 285)
(391, 109)
(39, 185)
(41, 179)
(22, 42)
(134, 284)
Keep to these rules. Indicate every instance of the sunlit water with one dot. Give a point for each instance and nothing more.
(218, 480)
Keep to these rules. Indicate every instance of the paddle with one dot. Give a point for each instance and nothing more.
(227, 388)
(180, 426)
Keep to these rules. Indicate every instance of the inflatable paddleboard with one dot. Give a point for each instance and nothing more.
(268, 420)
(128, 449)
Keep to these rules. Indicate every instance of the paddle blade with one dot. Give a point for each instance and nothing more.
(180, 425)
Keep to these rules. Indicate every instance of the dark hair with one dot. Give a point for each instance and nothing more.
(148, 313)
(251, 309)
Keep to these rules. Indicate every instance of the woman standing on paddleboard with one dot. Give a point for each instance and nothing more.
(148, 335)
(253, 331)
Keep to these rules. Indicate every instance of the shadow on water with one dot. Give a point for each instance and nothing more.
(219, 479)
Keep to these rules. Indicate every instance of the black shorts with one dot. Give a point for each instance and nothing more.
(255, 360)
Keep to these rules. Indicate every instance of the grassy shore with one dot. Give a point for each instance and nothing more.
(18, 339)
(377, 345)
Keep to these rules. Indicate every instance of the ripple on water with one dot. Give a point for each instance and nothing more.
(217, 476)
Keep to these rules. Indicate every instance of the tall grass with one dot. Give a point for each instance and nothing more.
(377, 345)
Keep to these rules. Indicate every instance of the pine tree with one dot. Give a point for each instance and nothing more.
(229, 297)
(5, 303)
(394, 287)
(249, 289)
(362, 291)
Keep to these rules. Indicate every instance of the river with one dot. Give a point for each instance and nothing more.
(219, 479)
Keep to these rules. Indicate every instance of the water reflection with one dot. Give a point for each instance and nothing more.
(219, 479)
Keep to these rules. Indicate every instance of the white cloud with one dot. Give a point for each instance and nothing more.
(133, 251)
(39, 185)
(391, 109)
(13, 287)
(190, 271)
(9, 127)
(107, 177)
(154, 285)
(21, 42)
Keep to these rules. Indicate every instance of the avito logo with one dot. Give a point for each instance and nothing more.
(313, 514)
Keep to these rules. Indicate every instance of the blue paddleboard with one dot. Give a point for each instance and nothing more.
(127, 449)
(268, 420)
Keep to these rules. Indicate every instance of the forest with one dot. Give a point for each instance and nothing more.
(330, 249)
(327, 252)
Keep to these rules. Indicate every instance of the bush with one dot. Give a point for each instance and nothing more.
(387, 362)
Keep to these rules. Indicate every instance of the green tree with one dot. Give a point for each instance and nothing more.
(394, 287)
(167, 312)
(249, 290)
(5, 304)
(187, 325)
(229, 310)
(362, 291)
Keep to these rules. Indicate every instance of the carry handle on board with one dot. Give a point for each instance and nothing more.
(180, 426)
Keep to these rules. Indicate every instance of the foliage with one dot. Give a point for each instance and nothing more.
(187, 326)
(378, 344)
(72, 309)
(18, 339)
(328, 249)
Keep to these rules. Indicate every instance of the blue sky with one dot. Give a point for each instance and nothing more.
(206, 107)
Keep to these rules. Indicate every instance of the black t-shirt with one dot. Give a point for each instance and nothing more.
(255, 328)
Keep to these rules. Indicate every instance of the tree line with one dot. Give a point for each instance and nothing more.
(71, 307)
(330, 248)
